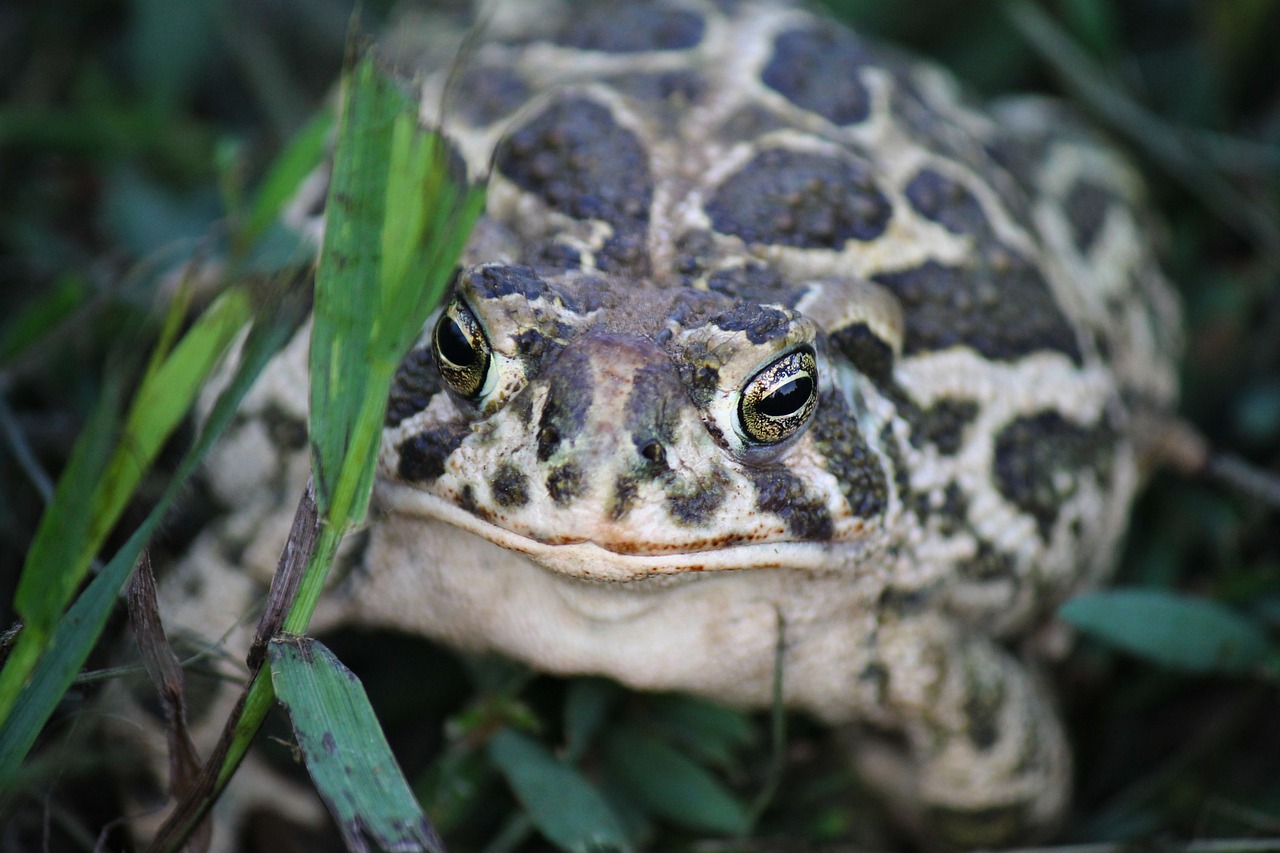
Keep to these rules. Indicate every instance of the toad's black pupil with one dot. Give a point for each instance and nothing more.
(454, 344)
(788, 399)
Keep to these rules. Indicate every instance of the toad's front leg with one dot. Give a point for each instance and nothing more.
(982, 758)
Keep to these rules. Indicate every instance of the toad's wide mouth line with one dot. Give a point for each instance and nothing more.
(591, 561)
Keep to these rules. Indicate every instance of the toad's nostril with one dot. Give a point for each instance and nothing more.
(654, 452)
(548, 442)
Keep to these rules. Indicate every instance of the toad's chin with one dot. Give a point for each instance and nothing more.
(591, 561)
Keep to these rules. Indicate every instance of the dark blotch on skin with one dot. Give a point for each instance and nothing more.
(1001, 307)
(467, 501)
(500, 280)
(486, 94)
(695, 251)
(615, 28)
(416, 382)
(943, 424)
(695, 502)
(802, 199)
(422, 457)
(565, 483)
(1086, 206)
(867, 352)
(761, 323)
(522, 405)
(625, 490)
(947, 202)
(533, 344)
(781, 493)
(569, 394)
(510, 486)
(702, 380)
(983, 710)
(849, 459)
(951, 514)
(651, 414)
(582, 163)
(902, 602)
(286, 431)
(625, 251)
(820, 71)
(755, 282)
(955, 510)
(555, 255)
(987, 564)
(1032, 455)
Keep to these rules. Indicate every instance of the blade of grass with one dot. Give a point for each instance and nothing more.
(345, 751)
(64, 525)
(388, 171)
(97, 487)
(304, 153)
(397, 222)
(75, 633)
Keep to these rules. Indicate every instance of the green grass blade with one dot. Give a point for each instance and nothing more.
(72, 529)
(396, 223)
(345, 750)
(304, 153)
(165, 397)
(78, 630)
(565, 807)
(59, 540)
(364, 320)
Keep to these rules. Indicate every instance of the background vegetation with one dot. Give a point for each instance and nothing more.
(125, 125)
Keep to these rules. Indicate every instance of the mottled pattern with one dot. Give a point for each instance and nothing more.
(942, 316)
(818, 70)
(999, 305)
(943, 425)
(576, 158)
(946, 201)
(1040, 458)
(416, 383)
(630, 29)
(798, 199)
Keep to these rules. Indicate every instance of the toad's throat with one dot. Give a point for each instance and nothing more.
(592, 561)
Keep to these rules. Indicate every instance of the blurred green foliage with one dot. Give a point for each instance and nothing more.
(125, 126)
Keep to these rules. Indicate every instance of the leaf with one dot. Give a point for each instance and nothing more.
(1189, 633)
(396, 222)
(78, 630)
(565, 807)
(671, 785)
(712, 732)
(586, 706)
(345, 750)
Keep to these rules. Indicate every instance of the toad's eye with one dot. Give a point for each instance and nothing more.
(780, 398)
(462, 351)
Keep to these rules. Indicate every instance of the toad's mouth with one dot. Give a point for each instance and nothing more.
(592, 561)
